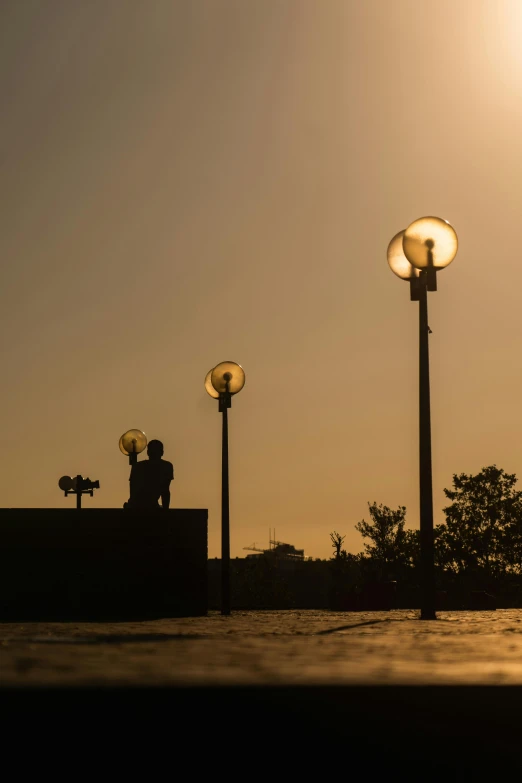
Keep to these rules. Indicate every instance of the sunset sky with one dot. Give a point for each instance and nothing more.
(190, 181)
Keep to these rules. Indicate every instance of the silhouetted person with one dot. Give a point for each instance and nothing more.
(150, 480)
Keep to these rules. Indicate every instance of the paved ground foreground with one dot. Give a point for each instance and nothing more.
(269, 648)
(377, 695)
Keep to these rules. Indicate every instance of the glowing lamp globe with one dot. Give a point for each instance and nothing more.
(132, 442)
(227, 376)
(430, 242)
(208, 386)
(398, 262)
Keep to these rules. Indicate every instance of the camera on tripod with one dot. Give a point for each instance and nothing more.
(78, 486)
(87, 485)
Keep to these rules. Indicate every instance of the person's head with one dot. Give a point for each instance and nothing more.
(155, 449)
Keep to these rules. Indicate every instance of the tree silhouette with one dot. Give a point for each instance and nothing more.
(483, 530)
(390, 543)
(337, 542)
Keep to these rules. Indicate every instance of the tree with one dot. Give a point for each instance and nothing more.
(483, 530)
(389, 541)
(337, 542)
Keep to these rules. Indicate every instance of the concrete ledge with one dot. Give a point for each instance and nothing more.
(64, 564)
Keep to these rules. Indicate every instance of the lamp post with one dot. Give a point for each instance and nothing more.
(221, 383)
(132, 443)
(416, 254)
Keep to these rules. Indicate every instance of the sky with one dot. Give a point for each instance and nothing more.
(188, 182)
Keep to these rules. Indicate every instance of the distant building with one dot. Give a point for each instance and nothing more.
(278, 550)
(276, 577)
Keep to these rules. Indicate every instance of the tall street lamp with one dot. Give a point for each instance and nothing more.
(428, 245)
(221, 383)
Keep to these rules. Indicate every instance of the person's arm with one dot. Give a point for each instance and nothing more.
(165, 495)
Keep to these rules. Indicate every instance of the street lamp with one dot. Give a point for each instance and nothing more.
(132, 443)
(221, 383)
(416, 254)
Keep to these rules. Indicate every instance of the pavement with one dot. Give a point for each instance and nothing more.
(268, 648)
(377, 693)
